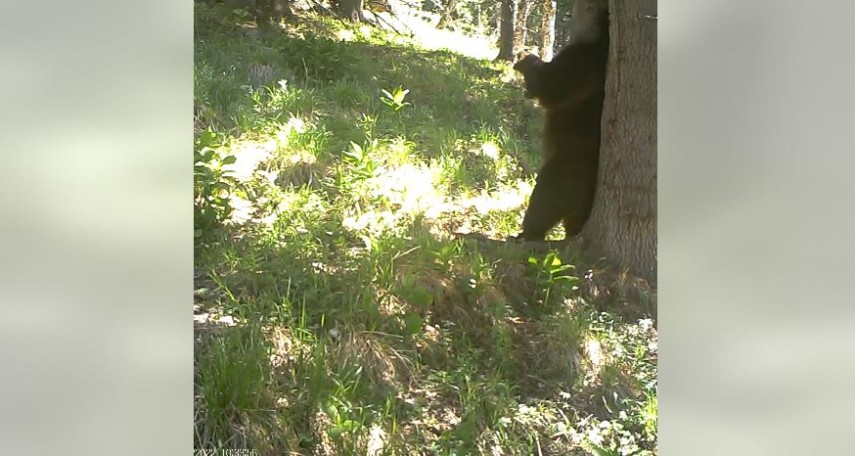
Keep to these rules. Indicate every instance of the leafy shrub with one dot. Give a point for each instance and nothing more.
(212, 183)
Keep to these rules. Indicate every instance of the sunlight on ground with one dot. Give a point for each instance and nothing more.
(410, 189)
(215, 317)
(594, 352)
(248, 154)
(376, 441)
(349, 36)
(491, 150)
(346, 35)
(431, 38)
(294, 125)
(506, 199)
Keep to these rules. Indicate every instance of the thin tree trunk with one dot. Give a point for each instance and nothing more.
(521, 25)
(547, 30)
(506, 31)
(622, 226)
(352, 10)
(273, 9)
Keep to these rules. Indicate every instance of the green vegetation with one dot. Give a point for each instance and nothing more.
(337, 311)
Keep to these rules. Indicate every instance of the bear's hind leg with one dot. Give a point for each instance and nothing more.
(578, 205)
(547, 204)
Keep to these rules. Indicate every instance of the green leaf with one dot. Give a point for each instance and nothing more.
(355, 151)
(242, 193)
(419, 296)
(206, 138)
(208, 154)
(400, 94)
(229, 159)
(335, 431)
(413, 323)
(600, 451)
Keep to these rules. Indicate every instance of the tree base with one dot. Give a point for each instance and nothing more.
(603, 283)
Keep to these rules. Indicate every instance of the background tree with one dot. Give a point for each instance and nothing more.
(521, 25)
(563, 22)
(622, 226)
(547, 32)
(506, 30)
(352, 10)
(547, 29)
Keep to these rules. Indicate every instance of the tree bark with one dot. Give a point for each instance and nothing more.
(506, 31)
(547, 30)
(352, 10)
(521, 25)
(622, 225)
(273, 9)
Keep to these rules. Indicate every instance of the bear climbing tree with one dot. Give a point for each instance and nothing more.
(570, 88)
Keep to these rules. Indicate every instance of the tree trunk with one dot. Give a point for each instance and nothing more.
(622, 225)
(273, 9)
(547, 30)
(521, 25)
(352, 10)
(506, 31)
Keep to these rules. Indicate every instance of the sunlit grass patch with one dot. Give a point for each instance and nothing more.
(430, 37)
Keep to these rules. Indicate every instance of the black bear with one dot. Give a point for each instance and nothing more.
(571, 89)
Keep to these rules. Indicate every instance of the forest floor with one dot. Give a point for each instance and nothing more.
(340, 310)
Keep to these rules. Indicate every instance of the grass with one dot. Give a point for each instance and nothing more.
(338, 313)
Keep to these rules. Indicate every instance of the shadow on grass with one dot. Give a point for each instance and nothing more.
(373, 327)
